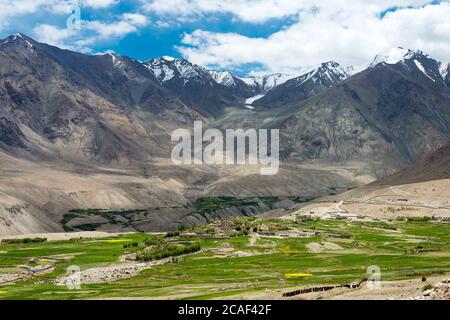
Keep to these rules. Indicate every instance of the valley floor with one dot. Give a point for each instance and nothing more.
(239, 258)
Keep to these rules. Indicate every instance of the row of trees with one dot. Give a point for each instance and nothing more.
(165, 250)
(23, 241)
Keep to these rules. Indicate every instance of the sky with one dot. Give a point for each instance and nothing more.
(246, 37)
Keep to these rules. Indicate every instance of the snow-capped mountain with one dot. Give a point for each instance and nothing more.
(225, 78)
(444, 70)
(21, 44)
(234, 84)
(209, 92)
(302, 87)
(394, 56)
(168, 68)
(413, 61)
(327, 74)
(71, 110)
(214, 90)
(178, 74)
(16, 37)
(265, 83)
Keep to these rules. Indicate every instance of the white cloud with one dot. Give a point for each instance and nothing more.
(90, 32)
(136, 19)
(247, 10)
(55, 36)
(108, 30)
(128, 23)
(258, 11)
(16, 8)
(99, 3)
(10, 9)
(351, 34)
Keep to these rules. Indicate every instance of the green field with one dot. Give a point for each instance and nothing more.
(234, 265)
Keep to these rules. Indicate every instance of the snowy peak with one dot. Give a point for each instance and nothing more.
(189, 70)
(168, 58)
(224, 78)
(268, 82)
(167, 68)
(415, 62)
(300, 88)
(331, 72)
(19, 45)
(18, 39)
(327, 75)
(396, 55)
(161, 68)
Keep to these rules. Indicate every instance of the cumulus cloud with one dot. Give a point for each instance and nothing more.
(330, 30)
(53, 35)
(350, 32)
(14, 8)
(258, 11)
(63, 38)
(136, 19)
(98, 3)
(90, 32)
(9, 9)
(130, 23)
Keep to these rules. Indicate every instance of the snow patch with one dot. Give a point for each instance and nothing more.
(251, 100)
(15, 37)
(169, 58)
(268, 82)
(422, 69)
(166, 68)
(395, 55)
(443, 69)
(186, 69)
(325, 74)
(116, 62)
(162, 72)
(223, 78)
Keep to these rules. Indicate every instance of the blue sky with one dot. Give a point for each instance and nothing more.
(244, 36)
(154, 41)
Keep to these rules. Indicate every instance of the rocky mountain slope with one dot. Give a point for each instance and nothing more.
(79, 131)
(303, 87)
(418, 192)
(61, 104)
(434, 167)
(208, 93)
(393, 113)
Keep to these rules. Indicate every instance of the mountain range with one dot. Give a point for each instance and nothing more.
(81, 131)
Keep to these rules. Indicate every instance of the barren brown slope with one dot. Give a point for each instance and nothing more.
(93, 132)
(421, 190)
(434, 167)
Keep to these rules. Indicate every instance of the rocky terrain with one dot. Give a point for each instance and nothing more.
(440, 291)
(93, 132)
(418, 191)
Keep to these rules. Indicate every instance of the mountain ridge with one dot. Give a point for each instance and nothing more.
(94, 131)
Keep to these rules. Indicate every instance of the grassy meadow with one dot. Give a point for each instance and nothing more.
(327, 252)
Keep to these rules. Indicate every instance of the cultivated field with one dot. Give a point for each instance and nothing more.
(235, 258)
